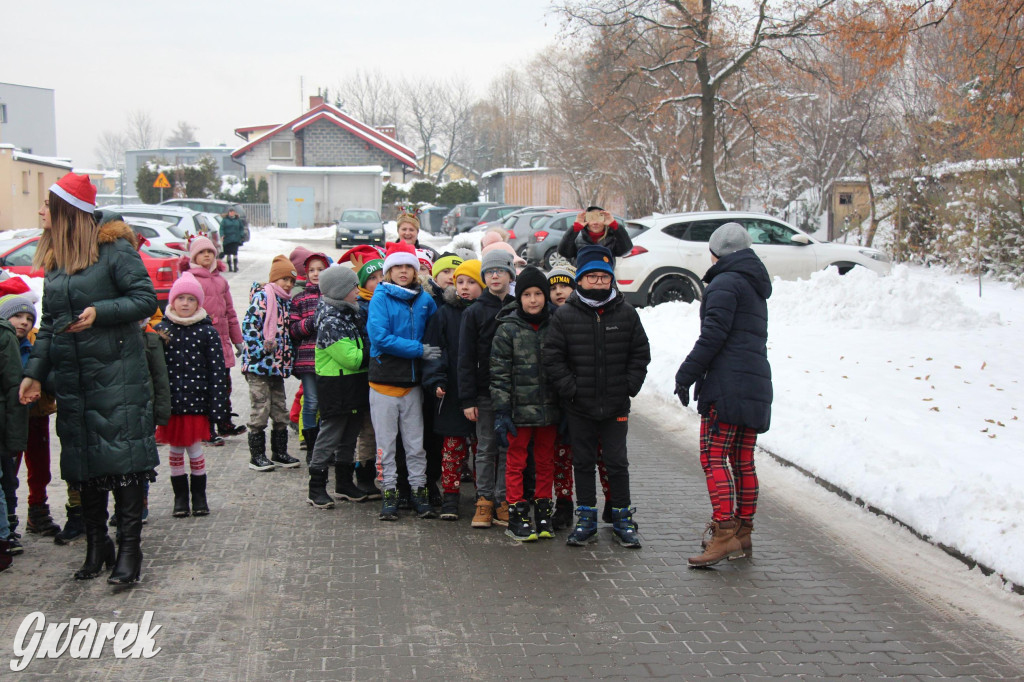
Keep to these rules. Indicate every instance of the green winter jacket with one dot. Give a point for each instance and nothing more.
(232, 230)
(14, 425)
(518, 382)
(104, 408)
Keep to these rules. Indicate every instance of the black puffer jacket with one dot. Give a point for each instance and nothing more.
(195, 368)
(729, 362)
(519, 384)
(596, 357)
(443, 331)
(479, 323)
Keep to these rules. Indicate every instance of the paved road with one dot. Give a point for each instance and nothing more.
(268, 588)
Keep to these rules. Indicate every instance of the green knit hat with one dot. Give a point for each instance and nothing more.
(369, 267)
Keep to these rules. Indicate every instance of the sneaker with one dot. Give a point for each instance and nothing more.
(421, 503)
(450, 507)
(501, 514)
(389, 506)
(484, 516)
(214, 442)
(519, 527)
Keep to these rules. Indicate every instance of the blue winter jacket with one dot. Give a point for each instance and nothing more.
(398, 317)
(729, 362)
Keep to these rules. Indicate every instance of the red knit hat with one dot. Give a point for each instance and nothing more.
(400, 253)
(77, 190)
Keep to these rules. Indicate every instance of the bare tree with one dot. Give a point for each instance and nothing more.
(456, 105)
(372, 98)
(141, 132)
(182, 134)
(110, 149)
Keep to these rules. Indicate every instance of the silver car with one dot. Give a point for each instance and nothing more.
(359, 226)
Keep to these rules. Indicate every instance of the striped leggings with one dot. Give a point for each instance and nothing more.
(727, 456)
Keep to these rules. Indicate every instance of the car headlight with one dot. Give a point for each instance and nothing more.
(874, 255)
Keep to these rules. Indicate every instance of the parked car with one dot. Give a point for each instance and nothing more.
(496, 213)
(670, 256)
(160, 234)
(359, 226)
(508, 218)
(464, 216)
(523, 226)
(186, 218)
(211, 206)
(432, 219)
(162, 264)
(542, 245)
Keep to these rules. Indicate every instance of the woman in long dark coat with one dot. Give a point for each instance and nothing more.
(89, 342)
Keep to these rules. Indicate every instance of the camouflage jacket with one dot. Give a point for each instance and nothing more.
(518, 382)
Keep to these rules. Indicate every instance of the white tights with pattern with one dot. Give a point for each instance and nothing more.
(196, 460)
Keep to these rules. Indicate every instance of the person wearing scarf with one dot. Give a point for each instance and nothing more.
(266, 362)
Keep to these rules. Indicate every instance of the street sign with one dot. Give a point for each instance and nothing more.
(161, 182)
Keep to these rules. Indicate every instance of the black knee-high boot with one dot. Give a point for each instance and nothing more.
(99, 550)
(130, 501)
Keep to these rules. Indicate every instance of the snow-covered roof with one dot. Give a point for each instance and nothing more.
(333, 170)
(54, 161)
(509, 171)
(113, 174)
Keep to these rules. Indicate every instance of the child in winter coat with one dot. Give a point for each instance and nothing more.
(266, 362)
(370, 273)
(342, 355)
(399, 311)
(195, 368)
(525, 404)
(204, 265)
(303, 334)
(732, 380)
(13, 426)
(596, 353)
(441, 378)
(476, 332)
(595, 226)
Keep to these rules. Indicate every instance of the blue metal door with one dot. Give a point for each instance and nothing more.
(300, 207)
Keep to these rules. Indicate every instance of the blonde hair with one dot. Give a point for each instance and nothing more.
(71, 242)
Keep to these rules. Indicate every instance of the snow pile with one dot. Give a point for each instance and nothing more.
(906, 391)
(863, 300)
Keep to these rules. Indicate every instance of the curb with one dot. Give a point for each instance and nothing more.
(967, 560)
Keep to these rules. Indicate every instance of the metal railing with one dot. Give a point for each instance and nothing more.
(259, 215)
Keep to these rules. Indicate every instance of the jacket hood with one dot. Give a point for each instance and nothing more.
(451, 297)
(746, 263)
(114, 230)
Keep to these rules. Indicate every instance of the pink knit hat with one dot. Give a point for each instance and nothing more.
(187, 284)
(200, 244)
(504, 246)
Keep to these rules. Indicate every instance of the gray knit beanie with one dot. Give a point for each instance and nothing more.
(497, 258)
(336, 282)
(729, 238)
(11, 305)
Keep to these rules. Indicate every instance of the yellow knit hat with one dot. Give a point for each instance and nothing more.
(470, 268)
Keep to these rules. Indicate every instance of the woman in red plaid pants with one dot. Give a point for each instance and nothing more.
(732, 380)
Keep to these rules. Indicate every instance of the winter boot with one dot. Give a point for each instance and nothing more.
(421, 503)
(519, 527)
(199, 505)
(40, 522)
(562, 518)
(73, 529)
(366, 479)
(180, 486)
(723, 544)
(258, 452)
(130, 500)
(309, 435)
(344, 488)
(279, 449)
(542, 516)
(389, 506)
(484, 516)
(99, 551)
(501, 514)
(624, 528)
(585, 531)
(450, 507)
(318, 496)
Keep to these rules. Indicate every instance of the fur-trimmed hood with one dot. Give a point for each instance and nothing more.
(117, 229)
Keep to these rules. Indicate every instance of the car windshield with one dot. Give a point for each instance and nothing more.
(360, 217)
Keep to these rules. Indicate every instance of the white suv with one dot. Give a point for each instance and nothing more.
(669, 258)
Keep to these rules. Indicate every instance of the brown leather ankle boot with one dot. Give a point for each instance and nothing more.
(723, 544)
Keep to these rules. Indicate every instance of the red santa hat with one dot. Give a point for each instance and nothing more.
(77, 190)
(423, 256)
(400, 253)
(361, 255)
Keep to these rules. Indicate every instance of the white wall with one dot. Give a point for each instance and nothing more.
(334, 192)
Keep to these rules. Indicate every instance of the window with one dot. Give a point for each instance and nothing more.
(26, 176)
(23, 256)
(3, 113)
(767, 232)
(280, 149)
(693, 231)
(845, 198)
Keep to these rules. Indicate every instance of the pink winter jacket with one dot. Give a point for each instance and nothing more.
(218, 305)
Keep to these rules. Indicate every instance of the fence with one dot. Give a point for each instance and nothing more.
(259, 215)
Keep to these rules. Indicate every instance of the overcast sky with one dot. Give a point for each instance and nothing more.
(222, 64)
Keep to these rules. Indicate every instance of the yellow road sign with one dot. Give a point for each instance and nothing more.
(161, 182)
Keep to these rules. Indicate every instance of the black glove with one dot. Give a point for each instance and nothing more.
(431, 352)
(503, 428)
(683, 392)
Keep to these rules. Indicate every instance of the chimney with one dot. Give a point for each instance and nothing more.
(315, 101)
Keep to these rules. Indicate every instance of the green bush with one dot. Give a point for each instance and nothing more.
(458, 192)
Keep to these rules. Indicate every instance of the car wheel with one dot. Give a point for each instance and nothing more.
(676, 288)
(552, 259)
(522, 251)
(843, 268)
